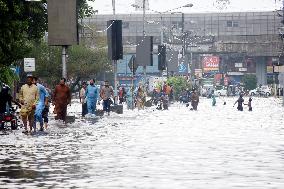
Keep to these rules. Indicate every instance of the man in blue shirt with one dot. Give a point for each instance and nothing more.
(92, 97)
(43, 101)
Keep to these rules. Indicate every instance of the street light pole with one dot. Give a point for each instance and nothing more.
(114, 63)
(144, 11)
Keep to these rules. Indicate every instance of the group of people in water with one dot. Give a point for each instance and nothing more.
(90, 96)
(34, 100)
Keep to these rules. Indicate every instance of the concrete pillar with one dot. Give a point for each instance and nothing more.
(261, 70)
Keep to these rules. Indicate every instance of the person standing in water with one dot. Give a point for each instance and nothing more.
(249, 104)
(240, 102)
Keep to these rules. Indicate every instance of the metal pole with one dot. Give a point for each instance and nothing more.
(113, 7)
(114, 62)
(132, 88)
(144, 11)
(162, 39)
(183, 36)
(64, 67)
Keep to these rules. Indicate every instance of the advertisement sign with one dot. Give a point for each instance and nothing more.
(29, 64)
(198, 73)
(269, 69)
(279, 69)
(210, 63)
(238, 65)
(243, 69)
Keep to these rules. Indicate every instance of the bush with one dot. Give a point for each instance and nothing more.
(179, 84)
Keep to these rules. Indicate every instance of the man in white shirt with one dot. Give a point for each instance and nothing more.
(83, 99)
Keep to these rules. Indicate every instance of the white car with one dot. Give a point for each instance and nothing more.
(263, 90)
(221, 92)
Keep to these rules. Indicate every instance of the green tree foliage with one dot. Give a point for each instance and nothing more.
(19, 22)
(179, 84)
(249, 81)
(7, 75)
(22, 21)
(82, 62)
(86, 63)
(84, 9)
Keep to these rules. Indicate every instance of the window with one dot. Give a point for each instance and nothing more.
(231, 24)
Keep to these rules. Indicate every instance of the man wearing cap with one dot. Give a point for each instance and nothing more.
(92, 97)
(29, 96)
(61, 98)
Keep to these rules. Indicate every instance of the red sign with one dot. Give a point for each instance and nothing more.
(211, 63)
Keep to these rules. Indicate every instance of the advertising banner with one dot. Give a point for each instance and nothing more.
(210, 63)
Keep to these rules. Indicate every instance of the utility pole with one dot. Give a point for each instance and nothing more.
(114, 63)
(64, 65)
(144, 34)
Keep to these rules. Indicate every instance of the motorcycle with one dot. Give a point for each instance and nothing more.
(9, 119)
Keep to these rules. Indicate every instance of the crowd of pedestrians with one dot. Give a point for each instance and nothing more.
(35, 98)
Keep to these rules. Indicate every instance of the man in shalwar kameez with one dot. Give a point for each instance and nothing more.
(61, 98)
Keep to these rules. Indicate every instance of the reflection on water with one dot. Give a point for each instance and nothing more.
(211, 148)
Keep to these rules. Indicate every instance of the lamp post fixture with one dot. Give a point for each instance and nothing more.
(161, 22)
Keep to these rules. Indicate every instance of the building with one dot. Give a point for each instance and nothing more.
(244, 42)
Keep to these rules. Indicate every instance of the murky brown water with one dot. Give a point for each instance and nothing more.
(212, 148)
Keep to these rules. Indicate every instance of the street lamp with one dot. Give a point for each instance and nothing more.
(161, 22)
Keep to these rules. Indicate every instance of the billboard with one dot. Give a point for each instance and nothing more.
(210, 63)
(172, 61)
(144, 50)
(62, 22)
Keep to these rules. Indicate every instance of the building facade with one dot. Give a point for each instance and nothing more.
(244, 42)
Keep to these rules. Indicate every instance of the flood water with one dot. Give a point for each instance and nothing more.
(214, 147)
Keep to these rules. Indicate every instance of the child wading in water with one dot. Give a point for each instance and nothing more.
(249, 104)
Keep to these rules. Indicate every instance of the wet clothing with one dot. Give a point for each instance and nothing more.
(61, 98)
(106, 105)
(140, 99)
(249, 105)
(121, 95)
(29, 96)
(92, 97)
(213, 100)
(43, 94)
(194, 100)
(129, 100)
(106, 92)
(240, 102)
(83, 101)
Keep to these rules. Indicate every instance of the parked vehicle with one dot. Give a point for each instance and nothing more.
(261, 91)
(9, 119)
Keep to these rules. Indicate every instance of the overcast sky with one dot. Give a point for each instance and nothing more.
(124, 6)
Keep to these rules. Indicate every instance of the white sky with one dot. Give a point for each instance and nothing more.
(124, 6)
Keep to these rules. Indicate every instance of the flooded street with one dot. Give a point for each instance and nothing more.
(215, 147)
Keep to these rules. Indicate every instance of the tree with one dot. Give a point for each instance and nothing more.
(22, 21)
(83, 62)
(7, 76)
(179, 84)
(249, 81)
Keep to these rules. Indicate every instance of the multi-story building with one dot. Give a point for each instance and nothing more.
(244, 42)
